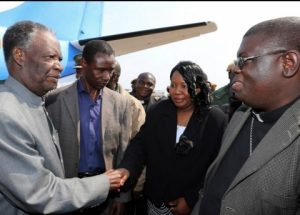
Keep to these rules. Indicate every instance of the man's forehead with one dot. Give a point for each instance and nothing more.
(255, 43)
(44, 35)
(45, 40)
(104, 58)
(146, 77)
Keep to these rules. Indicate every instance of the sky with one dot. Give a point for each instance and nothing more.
(212, 51)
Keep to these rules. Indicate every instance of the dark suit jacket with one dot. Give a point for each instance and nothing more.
(269, 181)
(168, 174)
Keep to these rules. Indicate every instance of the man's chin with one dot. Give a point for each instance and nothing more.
(100, 86)
(51, 86)
(145, 95)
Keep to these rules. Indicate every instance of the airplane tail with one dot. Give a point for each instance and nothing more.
(70, 20)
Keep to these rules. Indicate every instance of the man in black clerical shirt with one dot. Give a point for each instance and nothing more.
(257, 170)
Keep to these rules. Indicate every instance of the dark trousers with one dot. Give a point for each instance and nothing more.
(136, 206)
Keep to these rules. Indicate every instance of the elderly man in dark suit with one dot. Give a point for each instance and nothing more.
(93, 122)
(257, 171)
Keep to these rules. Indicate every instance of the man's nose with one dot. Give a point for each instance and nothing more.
(58, 66)
(236, 69)
(106, 75)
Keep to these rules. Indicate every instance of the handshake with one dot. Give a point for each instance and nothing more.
(117, 178)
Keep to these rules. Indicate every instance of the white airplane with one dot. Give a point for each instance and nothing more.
(75, 23)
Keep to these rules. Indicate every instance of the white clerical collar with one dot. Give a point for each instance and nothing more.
(257, 116)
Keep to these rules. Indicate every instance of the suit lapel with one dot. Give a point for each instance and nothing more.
(171, 117)
(71, 102)
(108, 104)
(237, 122)
(167, 134)
(281, 135)
(166, 124)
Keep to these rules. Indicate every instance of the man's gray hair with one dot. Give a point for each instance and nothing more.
(20, 35)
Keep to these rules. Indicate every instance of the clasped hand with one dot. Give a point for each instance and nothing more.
(117, 178)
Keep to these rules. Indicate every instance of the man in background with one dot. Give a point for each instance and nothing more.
(144, 88)
(224, 97)
(138, 112)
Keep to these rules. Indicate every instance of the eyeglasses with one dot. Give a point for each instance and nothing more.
(240, 61)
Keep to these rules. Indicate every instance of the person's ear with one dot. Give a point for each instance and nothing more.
(197, 91)
(18, 56)
(168, 89)
(291, 63)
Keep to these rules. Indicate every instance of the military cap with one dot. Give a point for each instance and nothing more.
(77, 60)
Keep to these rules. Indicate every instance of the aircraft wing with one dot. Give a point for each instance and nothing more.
(139, 40)
(127, 42)
(87, 23)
